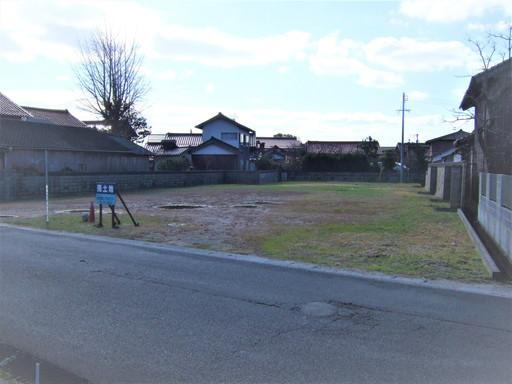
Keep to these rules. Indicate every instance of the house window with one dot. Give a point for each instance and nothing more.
(229, 136)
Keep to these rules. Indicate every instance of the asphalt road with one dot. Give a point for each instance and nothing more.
(120, 313)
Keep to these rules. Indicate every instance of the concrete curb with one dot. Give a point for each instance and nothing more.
(489, 289)
(490, 265)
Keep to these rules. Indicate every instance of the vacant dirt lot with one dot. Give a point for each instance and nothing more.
(381, 227)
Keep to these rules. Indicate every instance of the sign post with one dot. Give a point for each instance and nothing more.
(106, 195)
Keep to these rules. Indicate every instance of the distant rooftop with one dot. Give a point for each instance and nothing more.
(460, 134)
(280, 142)
(36, 135)
(54, 116)
(8, 108)
(221, 116)
(333, 147)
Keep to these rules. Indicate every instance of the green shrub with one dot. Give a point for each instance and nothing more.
(320, 162)
(264, 164)
(174, 164)
(388, 161)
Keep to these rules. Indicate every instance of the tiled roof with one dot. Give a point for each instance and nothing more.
(156, 143)
(159, 150)
(185, 139)
(410, 145)
(333, 147)
(10, 109)
(224, 117)
(155, 138)
(460, 134)
(283, 143)
(55, 116)
(19, 134)
(382, 150)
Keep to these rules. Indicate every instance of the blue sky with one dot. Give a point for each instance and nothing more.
(320, 70)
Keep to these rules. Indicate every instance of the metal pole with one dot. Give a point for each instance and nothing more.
(37, 374)
(46, 184)
(402, 145)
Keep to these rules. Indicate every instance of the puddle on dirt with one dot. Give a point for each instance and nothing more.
(181, 206)
(73, 211)
(106, 211)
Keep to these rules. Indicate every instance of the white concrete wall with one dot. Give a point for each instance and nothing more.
(440, 182)
(217, 127)
(494, 217)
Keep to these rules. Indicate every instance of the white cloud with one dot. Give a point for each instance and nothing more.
(166, 75)
(344, 57)
(210, 88)
(417, 96)
(413, 55)
(382, 62)
(209, 46)
(53, 29)
(283, 69)
(495, 27)
(449, 11)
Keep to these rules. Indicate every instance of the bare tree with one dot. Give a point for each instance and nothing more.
(507, 38)
(109, 75)
(485, 49)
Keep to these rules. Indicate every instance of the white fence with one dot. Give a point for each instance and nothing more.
(495, 209)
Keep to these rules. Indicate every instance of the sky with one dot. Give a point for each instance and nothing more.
(319, 70)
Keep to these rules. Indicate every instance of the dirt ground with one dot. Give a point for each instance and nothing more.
(217, 217)
(381, 227)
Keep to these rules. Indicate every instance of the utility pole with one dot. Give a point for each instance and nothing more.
(46, 185)
(403, 110)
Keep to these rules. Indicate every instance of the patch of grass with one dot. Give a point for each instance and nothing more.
(74, 223)
(412, 238)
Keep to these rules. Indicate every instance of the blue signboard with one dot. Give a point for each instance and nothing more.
(106, 193)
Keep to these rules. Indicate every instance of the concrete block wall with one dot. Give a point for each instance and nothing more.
(445, 180)
(495, 210)
(393, 177)
(456, 187)
(15, 186)
(266, 177)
